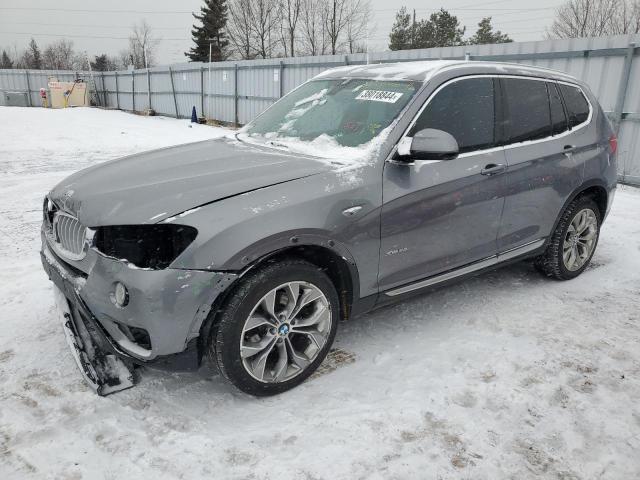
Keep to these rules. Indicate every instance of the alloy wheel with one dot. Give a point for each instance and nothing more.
(285, 332)
(580, 239)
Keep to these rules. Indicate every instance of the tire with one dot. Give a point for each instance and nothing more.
(553, 262)
(259, 326)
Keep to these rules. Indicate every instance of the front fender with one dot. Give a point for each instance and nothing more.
(237, 231)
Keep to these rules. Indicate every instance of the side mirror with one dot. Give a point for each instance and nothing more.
(430, 144)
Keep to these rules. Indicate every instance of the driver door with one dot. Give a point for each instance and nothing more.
(441, 215)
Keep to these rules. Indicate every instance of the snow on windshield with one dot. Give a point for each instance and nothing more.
(338, 119)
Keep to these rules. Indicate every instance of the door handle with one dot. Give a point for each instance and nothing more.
(493, 169)
(568, 149)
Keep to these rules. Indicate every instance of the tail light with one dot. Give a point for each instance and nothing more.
(613, 143)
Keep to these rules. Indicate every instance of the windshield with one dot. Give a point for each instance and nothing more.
(332, 113)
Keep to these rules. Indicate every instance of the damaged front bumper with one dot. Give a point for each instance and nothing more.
(168, 305)
(103, 371)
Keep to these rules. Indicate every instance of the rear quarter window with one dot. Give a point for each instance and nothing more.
(558, 118)
(528, 114)
(576, 104)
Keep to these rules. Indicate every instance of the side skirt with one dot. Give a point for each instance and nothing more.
(471, 268)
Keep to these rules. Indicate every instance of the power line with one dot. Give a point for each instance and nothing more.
(97, 11)
(162, 12)
(470, 9)
(86, 26)
(89, 36)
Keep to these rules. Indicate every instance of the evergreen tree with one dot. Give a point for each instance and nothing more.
(441, 30)
(33, 56)
(486, 34)
(102, 63)
(401, 37)
(5, 61)
(214, 21)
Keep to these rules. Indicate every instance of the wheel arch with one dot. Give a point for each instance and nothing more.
(341, 269)
(596, 189)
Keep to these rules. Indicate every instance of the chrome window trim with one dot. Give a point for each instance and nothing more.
(501, 147)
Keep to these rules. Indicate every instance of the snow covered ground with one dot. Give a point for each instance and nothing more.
(508, 375)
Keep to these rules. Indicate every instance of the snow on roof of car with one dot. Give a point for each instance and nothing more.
(423, 70)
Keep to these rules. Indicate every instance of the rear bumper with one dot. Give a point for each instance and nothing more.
(169, 305)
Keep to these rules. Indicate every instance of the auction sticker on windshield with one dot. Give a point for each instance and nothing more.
(379, 96)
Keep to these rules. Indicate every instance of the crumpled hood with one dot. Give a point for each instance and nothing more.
(152, 186)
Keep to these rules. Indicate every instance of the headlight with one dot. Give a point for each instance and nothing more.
(145, 246)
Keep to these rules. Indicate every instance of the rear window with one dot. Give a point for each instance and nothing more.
(528, 115)
(577, 105)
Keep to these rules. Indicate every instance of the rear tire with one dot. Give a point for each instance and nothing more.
(276, 327)
(573, 242)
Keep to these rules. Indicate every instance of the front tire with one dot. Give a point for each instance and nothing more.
(573, 242)
(276, 327)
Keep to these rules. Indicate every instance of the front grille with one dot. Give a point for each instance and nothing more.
(69, 236)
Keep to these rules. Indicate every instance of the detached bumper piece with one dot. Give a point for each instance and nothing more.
(103, 371)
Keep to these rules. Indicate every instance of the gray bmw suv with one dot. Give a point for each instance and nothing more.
(361, 187)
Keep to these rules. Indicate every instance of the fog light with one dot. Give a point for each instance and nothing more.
(120, 295)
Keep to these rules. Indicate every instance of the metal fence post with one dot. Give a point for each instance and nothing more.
(281, 79)
(202, 92)
(133, 90)
(26, 73)
(624, 84)
(149, 88)
(104, 90)
(173, 90)
(117, 92)
(235, 95)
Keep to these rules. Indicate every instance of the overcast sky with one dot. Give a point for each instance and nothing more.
(103, 27)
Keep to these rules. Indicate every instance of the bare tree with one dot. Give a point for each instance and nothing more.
(142, 46)
(594, 18)
(626, 18)
(312, 33)
(264, 22)
(290, 11)
(345, 18)
(59, 55)
(357, 31)
(239, 28)
(270, 28)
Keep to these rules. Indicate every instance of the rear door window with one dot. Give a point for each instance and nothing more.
(465, 109)
(528, 115)
(558, 117)
(577, 105)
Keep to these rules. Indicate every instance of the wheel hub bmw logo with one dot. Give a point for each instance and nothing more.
(283, 329)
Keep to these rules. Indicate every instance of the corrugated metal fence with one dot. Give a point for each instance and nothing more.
(236, 91)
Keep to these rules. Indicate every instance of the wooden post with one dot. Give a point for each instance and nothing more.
(133, 90)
